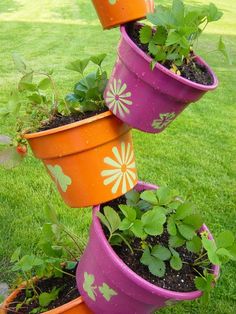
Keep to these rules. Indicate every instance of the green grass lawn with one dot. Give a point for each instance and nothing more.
(196, 154)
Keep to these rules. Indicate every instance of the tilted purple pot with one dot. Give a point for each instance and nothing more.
(109, 286)
(148, 100)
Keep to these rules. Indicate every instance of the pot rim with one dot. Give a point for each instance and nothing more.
(57, 310)
(132, 275)
(68, 126)
(167, 71)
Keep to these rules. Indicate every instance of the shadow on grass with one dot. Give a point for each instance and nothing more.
(9, 6)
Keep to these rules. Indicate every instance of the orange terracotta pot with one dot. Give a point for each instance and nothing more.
(116, 12)
(76, 306)
(91, 161)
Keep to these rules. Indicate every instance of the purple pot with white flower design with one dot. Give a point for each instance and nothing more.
(109, 286)
(149, 100)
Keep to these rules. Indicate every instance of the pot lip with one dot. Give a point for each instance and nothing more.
(168, 72)
(168, 294)
(68, 126)
(57, 310)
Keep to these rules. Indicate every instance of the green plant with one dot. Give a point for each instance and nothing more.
(59, 249)
(177, 30)
(88, 92)
(163, 213)
(36, 102)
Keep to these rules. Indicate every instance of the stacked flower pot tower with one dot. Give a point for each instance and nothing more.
(93, 162)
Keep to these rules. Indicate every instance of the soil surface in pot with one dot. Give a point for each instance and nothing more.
(67, 294)
(60, 120)
(192, 71)
(180, 281)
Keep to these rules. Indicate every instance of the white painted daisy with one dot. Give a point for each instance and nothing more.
(122, 172)
(117, 98)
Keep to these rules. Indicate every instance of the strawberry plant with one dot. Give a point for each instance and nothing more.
(59, 249)
(36, 102)
(162, 213)
(176, 32)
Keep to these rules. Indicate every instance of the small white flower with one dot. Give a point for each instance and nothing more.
(117, 98)
(123, 171)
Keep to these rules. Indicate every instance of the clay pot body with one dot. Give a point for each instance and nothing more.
(91, 161)
(116, 12)
(149, 100)
(76, 306)
(108, 285)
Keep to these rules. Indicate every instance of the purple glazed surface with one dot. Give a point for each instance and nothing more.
(128, 293)
(148, 100)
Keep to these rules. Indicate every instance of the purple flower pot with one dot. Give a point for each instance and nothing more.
(145, 99)
(109, 286)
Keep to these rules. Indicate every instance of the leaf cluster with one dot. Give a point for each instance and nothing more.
(57, 246)
(176, 30)
(88, 91)
(153, 213)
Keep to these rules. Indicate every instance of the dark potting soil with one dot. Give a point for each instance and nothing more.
(60, 120)
(180, 281)
(192, 71)
(67, 294)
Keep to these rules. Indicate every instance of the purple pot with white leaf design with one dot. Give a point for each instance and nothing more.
(109, 286)
(149, 100)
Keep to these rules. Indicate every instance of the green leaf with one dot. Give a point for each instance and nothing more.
(187, 231)
(70, 265)
(125, 224)
(232, 251)
(171, 227)
(194, 245)
(107, 292)
(161, 252)
(112, 217)
(160, 36)
(157, 267)
(16, 255)
(145, 34)
(164, 195)
(176, 241)
(35, 98)
(104, 221)
(178, 11)
(128, 211)
(78, 65)
(225, 239)
(44, 84)
(183, 211)
(153, 222)
(200, 283)
(137, 229)
(173, 38)
(51, 215)
(152, 48)
(194, 220)
(98, 59)
(176, 263)
(146, 258)
(150, 197)
(222, 48)
(46, 298)
(19, 63)
(27, 78)
(224, 255)
(213, 13)
(132, 197)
